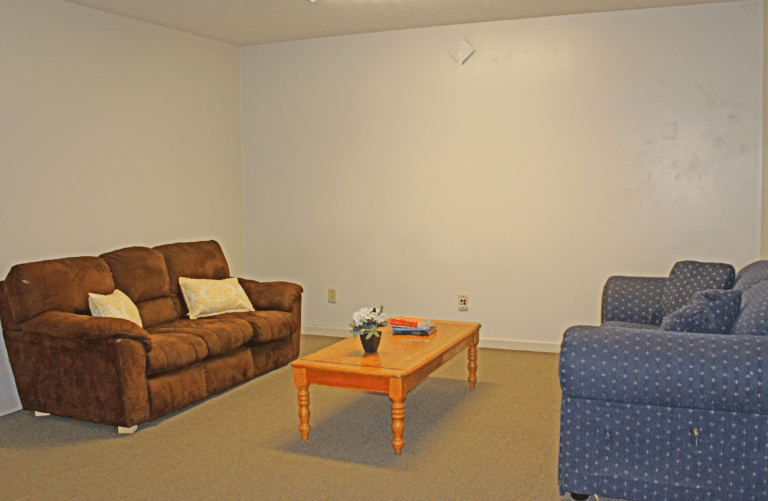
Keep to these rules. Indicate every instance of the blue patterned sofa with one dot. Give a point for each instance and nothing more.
(668, 398)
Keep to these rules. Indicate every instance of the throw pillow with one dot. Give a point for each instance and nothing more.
(709, 312)
(753, 317)
(115, 305)
(688, 277)
(206, 297)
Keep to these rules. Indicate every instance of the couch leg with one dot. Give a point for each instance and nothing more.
(579, 497)
(41, 414)
(126, 431)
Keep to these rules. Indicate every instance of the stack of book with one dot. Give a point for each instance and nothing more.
(414, 326)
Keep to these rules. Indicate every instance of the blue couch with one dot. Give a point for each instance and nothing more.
(668, 398)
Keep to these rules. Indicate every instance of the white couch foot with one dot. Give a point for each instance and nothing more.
(41, 414)
(130, 430)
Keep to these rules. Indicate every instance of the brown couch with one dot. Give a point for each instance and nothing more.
(109, 370)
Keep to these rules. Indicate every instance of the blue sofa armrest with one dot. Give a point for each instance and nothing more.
(634, 300)
(674, 369)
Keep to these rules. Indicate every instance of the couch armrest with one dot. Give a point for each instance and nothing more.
(73, 326)
(671, 369)
(635, 300)
(272, 295)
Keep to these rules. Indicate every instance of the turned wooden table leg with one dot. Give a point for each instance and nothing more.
(300, 380)
(397, 394)
(472, 365)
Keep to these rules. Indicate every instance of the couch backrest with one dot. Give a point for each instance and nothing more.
(54, 285)
(751, 275)
(689, 277)
(192, 260)
(149, 277)
(140, 272)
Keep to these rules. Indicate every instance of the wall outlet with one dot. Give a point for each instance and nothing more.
(331, 295)
(463, 302)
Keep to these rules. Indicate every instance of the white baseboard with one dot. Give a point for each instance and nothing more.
(501, 344)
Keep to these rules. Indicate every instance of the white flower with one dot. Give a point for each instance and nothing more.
(368, 318)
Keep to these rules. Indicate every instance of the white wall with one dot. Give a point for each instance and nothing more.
(565, 150)
(114, 133)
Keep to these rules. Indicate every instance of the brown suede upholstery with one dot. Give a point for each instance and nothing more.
(192, 260)
(112, 371)
(58, 284)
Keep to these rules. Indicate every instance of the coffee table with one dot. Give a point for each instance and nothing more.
(401, 363)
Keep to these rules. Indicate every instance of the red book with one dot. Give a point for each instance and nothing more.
(410, 321)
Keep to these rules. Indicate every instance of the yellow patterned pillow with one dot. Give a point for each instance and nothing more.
(211, 297)
(115, 305)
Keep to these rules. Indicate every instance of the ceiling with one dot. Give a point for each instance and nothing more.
(253, 22)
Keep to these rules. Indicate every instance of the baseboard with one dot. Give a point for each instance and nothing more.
(501, 344)
(519, 345)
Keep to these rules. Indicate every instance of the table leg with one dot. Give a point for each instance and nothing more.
(300, 380)
(397, 394)
(472, 365)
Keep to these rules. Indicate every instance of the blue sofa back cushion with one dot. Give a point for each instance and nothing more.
(751, 275)
(708, 312)
(753, 317)
(688, 277)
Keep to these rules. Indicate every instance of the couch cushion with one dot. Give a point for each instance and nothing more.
(140, 272)
(751, 275)
(193, 260)
(183, 342)
(753, 316)
(688, 277)
(268, 325)
(172, 350)
(708, 312)
(58, 284)
(205, 297)
(115, 305)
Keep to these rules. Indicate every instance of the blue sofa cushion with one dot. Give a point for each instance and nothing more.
(753, 317)
(751, 275)
(708, 312)
(688, 277)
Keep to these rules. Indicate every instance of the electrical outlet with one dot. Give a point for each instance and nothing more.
(331, 295)
(463, 302)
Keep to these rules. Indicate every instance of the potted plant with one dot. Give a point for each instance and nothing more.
(366, 322)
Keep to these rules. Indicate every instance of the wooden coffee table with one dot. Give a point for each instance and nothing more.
(401, 363)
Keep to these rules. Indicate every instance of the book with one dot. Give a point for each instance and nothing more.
(410, 321)
(414, 331)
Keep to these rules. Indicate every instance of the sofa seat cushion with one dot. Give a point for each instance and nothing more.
(184, 342)
(267, 325)
(688, 277)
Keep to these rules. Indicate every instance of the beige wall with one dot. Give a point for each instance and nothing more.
(565, 150)
(764, 232)
(114, 133)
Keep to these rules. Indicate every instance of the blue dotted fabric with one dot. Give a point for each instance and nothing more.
(661, 453)
(751, 275)
(753, 317)
(688, 277)
(633, 299)
(710, 311)
(702, 371)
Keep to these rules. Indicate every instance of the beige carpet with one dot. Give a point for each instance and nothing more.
(498, 441)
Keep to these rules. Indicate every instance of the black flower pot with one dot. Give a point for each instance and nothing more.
(370, 345)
